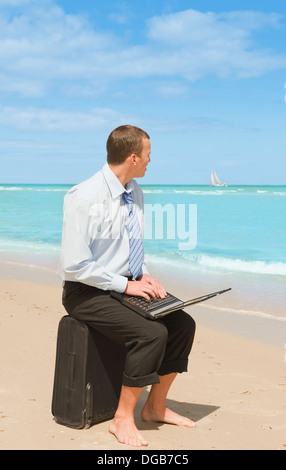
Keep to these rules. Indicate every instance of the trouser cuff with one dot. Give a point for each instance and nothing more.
(179, 366)
(140, 381)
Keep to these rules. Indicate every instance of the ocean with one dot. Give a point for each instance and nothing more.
(234, 230)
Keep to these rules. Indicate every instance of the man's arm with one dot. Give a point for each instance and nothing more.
(77, 262)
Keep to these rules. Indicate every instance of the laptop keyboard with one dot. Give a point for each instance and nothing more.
(154, 304)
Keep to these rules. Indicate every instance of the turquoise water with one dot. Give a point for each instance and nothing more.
(237, 228)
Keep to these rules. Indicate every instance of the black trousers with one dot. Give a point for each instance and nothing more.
(154, 347)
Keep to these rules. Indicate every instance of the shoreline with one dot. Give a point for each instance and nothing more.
(237, 312)
(233, 312)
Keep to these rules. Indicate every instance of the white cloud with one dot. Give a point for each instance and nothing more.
(15, 3)
(24, 87)
(220, 44)
(194, 27)
(35, 119)
(44, 47)
(44, 44)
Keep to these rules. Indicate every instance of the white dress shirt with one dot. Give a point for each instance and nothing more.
(95, 242)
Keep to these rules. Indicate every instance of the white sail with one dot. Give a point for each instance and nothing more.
(216, 178)
(215, 181)
(212, 183)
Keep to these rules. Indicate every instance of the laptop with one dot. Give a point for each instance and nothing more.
(157, 308)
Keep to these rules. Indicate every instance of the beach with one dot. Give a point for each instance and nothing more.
(234, 390)
(235, 387)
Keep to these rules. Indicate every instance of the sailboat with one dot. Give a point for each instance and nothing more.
(215, 180)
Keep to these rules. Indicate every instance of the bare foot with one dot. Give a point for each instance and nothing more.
(166, 416)
(126, 432)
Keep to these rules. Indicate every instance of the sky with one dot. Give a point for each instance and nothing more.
(205, 79)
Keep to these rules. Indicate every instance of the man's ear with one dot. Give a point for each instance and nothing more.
(132, 159)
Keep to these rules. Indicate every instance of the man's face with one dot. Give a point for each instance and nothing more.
(143, 160)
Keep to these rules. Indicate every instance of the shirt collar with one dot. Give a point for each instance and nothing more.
(115, 187)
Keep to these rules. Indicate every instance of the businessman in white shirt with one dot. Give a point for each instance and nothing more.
(96, 258)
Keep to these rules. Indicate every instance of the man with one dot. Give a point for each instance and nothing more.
(96, 258)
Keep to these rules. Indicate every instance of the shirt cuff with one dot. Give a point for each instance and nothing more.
(119, 283)
(145, 270)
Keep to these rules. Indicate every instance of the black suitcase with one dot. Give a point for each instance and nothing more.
(88, 375)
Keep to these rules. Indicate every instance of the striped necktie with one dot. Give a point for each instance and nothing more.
(135, 237)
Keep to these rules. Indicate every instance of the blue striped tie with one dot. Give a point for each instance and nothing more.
(135, 238)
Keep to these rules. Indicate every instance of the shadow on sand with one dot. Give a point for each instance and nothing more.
(193, 411)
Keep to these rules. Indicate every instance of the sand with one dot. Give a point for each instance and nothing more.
(235, 388)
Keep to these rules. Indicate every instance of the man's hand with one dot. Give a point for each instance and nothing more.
(147, 287)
